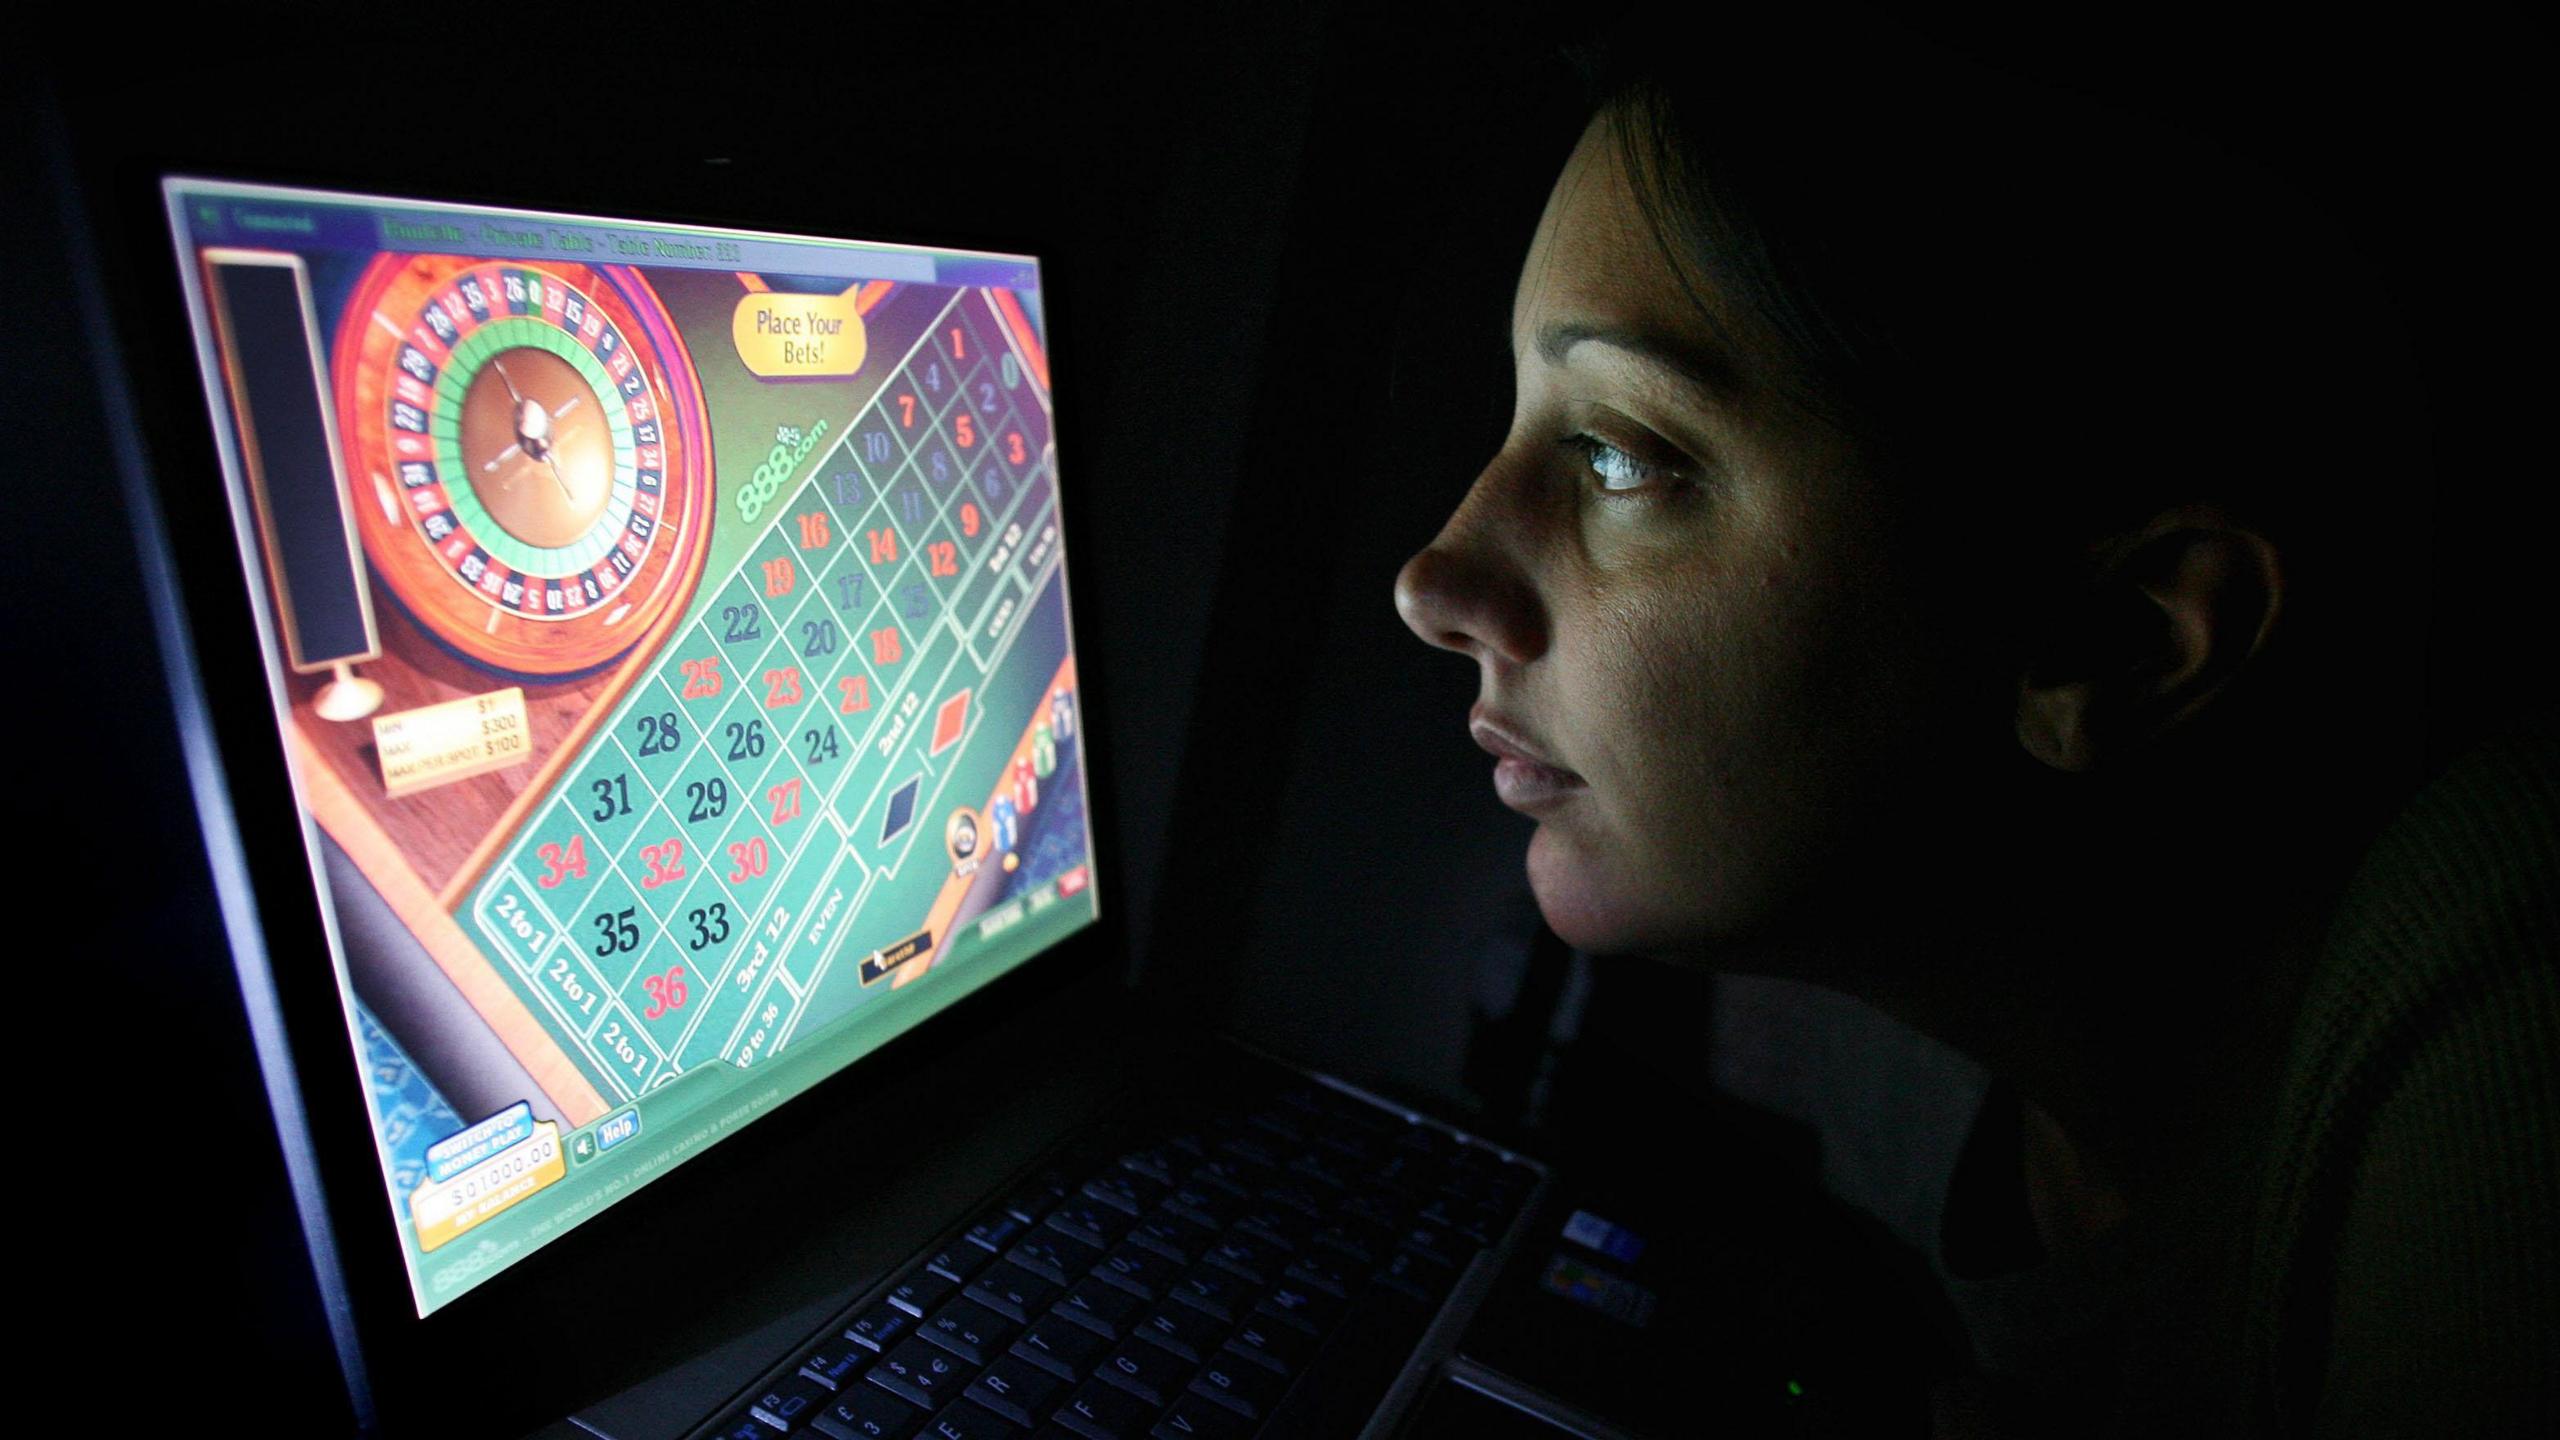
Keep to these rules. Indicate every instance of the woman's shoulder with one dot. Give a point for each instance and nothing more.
(2407, 1267)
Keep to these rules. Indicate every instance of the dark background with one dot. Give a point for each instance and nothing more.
(1281, 244)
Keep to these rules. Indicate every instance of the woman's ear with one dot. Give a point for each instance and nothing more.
(2171, 613)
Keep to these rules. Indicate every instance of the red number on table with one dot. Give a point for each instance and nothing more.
(666, 992)
(665, 862)
(564, 862)
(781, 687)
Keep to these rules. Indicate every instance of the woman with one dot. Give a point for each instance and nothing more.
(1932, 555)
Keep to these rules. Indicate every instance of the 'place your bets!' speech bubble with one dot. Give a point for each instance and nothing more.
(799, 337)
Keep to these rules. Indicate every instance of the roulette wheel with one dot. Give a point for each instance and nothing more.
(527, 446)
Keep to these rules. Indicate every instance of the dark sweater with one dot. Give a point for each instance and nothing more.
(2405, 1276)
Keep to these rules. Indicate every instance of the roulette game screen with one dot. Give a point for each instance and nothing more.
(668, 632)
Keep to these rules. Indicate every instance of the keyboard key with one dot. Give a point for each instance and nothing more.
(1433, 1243)
(1013, 1292)
(1316, 1169)
(1150, 1372)
(1207, 1206)
(997, 1231)
(959, 1262)
(921, 1374)
(1410, 1172)
(1425, 1278)
(1105, 1412)
(1017, 1389)
(885, 1326)
(1237, 1177)
(968, 1420)
(1170, 1235)
(1103, 1309)
(1197, 1419)
(1213, 1291)
(1140, 1272)
(1065, 1350)
(792, 1403)
(1479, 1223)
(1297, 1305)
(1273, 1225)
(1090, 1221)
(1125, 1192)
(1329, 1163)
(969, 1330)
(1249, 1151)
(834, 1363)
(1330, 1276)
(1354, 1240)
(1155, 1164)
(864, 1413)
(1283, 1348)
(1309, 1205)
(1374, 1207)
(1179, 1328)
(745, 1427)
(1051, 1258)
(1247, 1258)
(1477, 1178)
(920, 1292)
(1204, 1208)
(1241, 1386)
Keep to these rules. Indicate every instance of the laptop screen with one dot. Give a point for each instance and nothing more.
(667, 629)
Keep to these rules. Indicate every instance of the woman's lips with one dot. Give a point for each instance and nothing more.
(1523, 778)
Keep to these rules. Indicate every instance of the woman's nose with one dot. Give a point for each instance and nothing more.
(1470, 589)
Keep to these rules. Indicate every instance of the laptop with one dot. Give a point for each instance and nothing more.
(640, 665)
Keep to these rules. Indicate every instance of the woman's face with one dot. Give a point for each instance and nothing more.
(1695, 652)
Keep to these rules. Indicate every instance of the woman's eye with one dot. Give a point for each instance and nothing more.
(1616, 469)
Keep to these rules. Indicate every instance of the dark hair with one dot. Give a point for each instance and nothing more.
(2046, 321)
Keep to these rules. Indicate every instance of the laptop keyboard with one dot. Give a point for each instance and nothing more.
(1186, 1287)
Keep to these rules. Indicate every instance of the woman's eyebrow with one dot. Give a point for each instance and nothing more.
(1703, 366)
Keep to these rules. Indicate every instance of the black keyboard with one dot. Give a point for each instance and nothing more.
(1238, 1276)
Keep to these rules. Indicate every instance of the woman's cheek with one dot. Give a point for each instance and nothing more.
(1730, 696)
